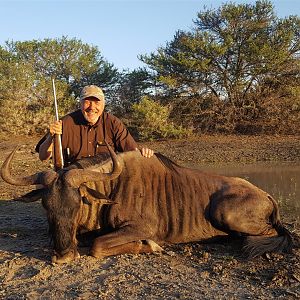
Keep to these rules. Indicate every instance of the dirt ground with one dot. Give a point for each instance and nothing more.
(190, 271)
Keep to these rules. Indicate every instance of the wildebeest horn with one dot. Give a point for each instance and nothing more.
(43, 178)
(76, 177)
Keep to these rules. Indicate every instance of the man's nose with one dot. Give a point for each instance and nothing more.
(92, 104)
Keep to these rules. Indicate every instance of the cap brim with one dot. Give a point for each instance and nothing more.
(92, 96)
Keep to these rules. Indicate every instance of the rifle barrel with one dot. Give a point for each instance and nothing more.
(55, 100)
(57, 153)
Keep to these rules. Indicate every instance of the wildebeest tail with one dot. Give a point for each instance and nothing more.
(258, 245)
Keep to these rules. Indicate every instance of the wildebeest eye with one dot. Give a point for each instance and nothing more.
(86, 201)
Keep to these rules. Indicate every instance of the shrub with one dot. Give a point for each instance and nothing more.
(30, 110)
(151, 120)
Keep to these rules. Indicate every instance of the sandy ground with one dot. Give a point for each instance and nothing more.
(190, 271)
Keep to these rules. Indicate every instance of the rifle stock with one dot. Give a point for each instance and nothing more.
(57, 153)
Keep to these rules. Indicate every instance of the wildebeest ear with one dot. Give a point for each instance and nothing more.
(88, 194)
(31, 196)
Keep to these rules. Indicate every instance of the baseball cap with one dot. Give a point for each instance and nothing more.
(92, 91)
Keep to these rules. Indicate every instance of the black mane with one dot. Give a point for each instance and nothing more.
(88, 161)
(167, 162)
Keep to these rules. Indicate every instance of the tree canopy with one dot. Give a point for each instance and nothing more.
(232, 54)
(230, 51)
(26, 70)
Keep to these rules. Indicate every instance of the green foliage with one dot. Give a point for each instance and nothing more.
(152, 121)
(67, 60)
(27, 105)
(130, 89)
(229, 52)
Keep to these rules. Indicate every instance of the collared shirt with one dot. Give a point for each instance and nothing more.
(79, 139)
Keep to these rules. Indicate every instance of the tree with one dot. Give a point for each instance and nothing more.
(130, 89)
(152, 121)
(229, 56)
(26, 69)
(67, 60)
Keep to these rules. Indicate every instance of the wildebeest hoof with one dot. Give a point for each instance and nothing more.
(96, 254)
(68, 257)
(154, 246)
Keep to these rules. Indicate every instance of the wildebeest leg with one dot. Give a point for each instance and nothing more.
(253, 214)
(141, 246)
(121, 241)
(247, 214)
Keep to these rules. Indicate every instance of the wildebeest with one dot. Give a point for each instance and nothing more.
(137, 204)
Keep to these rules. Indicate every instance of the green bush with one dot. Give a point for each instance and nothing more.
(30, 110)
(152, 121)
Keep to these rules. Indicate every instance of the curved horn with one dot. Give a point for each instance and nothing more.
(43, 178)
(76, 177)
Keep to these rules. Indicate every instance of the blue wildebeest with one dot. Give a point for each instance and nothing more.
(137, 204)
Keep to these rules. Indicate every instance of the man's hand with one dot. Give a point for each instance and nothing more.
(147, 152)
(55, 127)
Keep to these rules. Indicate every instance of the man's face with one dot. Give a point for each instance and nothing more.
(92, 109)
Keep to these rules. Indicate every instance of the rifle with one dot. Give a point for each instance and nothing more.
(57, 152)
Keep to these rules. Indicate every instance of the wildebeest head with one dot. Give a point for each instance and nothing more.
(62, 194)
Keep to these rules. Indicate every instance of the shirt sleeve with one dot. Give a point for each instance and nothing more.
(40, 142)
(122, 138)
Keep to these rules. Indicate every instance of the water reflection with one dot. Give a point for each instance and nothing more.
(281, 180)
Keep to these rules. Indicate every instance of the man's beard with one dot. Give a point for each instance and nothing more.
(93, 118)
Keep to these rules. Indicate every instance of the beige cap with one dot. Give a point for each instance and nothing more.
(92, 91)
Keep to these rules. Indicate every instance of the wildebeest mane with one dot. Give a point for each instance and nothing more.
(89, 161)
(167, 162)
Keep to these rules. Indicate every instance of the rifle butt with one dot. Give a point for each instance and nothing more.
(57, 153)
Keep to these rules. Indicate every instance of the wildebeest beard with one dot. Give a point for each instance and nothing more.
(62, 205)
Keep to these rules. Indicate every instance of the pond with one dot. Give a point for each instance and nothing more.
(281, 180)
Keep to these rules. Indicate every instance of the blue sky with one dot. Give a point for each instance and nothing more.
(121, 29)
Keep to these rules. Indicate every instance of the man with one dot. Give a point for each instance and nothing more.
(85, 130)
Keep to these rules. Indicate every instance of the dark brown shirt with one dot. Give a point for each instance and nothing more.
(79, 139)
